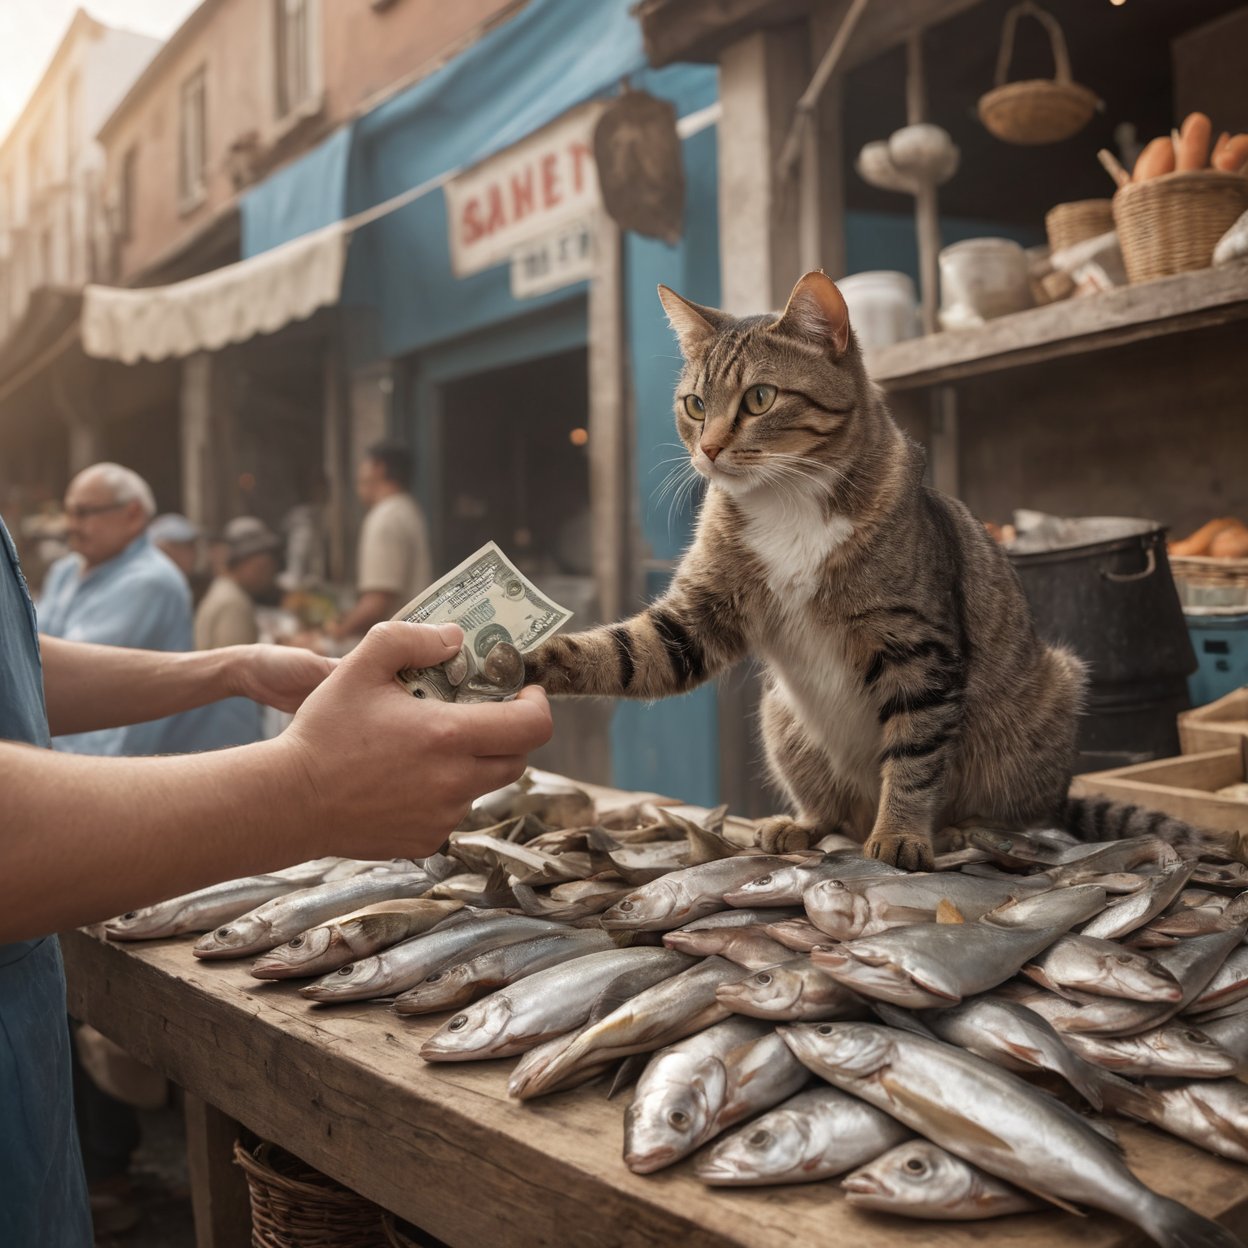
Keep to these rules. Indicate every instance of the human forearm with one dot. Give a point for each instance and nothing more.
(372, 607)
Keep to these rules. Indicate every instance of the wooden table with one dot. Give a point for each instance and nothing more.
(441, 1145)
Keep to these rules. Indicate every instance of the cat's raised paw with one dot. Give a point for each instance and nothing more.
(900, 849)
(781, 835)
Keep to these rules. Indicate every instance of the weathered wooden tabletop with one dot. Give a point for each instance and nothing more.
(441, 1145)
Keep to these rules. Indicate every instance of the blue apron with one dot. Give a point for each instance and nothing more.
(43, 1195)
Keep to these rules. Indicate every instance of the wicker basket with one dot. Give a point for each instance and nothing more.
(294, 1206)
(1040, 110)
(1171, 224)
(1068, 224)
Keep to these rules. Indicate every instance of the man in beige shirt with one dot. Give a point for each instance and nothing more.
(227, 615)
(394, 561)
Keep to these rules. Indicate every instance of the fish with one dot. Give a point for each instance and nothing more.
(457, 983)
(784, 885)
(523, 864)
(554, 800)
(660, 1015)
(546, 906)
(848, 909)
(1135, 910)
(1182, 924)
(1173, 1050)
(1210, 1113)
(533, 1009)
(1081, 963)
(746, 946)
(1231, 1033)
(814, 1135)
(1221, 875)
(919, 1179)
(199, 911)
(937, 964)
(790, 991)
(1019, 850)
(996, 1121)
(761, 917)
(1081, 864)
(1228, 986)
(684, 895)
(355, 935)
(696, 1088)
(1016, 1038)
(404, 965)
(277, 921)
(799, 935)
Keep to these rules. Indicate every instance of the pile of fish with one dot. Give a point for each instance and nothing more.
(949, 1042)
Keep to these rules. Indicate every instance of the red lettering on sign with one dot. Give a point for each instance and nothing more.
(522, 194)
(470, 225)
(497, 218)
(550, 180)
(581, 154)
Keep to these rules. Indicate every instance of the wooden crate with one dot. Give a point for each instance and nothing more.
(1221, 725)
(1185, 787)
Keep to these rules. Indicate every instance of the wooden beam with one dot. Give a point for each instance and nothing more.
(219, 1195)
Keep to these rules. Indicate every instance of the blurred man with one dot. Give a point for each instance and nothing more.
(394, 563)
(116, 589)
(227, 615)
(179, 539)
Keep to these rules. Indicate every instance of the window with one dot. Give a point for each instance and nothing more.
(193, 141)
(296, 45)
(127, 187)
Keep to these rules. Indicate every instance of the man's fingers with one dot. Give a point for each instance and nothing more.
(496, 773)
(388, 648)
(503, 728)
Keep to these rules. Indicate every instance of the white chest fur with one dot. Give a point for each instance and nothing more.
(792, 537)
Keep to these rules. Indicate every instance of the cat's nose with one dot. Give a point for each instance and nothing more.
(710, 450)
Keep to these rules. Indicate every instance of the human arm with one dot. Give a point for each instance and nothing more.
(87, 687)
(364, 771)
(372, 607)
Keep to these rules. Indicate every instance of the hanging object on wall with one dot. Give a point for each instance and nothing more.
(1039, 110)
(640, 169)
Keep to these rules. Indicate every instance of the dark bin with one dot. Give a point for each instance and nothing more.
(1101, 585)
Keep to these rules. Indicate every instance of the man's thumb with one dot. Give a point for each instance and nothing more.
(390, 647)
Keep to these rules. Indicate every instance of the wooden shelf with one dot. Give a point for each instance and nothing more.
(1214, 296)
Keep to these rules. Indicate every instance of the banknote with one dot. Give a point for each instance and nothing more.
(496, 605)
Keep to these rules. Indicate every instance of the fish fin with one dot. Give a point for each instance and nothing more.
(628, 1072)
(1105, 1130)
(1064, 1205)
(928, 984)
(1024, 1052)
(947, 912)
(903, 1020)
(706, 846)
(969, 1131)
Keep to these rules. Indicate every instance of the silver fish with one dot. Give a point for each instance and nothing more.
(198, 911)
(1082, 863)
(790, 991)
(742, 918)
(1081, 963)
(356, 935)
(785, 885)
(814, 1135)
(1124, 916)
(457, 983)
(919, 1179)
(1173, 1050)
(684, 895)
(661, 1015)
(276, 921)
(1227, 987)
(1210, 1113)
(996, 1121)
(799, 935)
(554, 800)
(1016, 1038)
(746, 946)
(403, 966)
(522, 863)
(1231, 1033)
(699, 1087)
(937, 964)
(534, 1009)
(1227, 875)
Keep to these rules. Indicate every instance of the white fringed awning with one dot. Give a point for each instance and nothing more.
(228, 305)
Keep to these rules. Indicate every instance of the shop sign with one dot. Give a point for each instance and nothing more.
(543, 183)
(561, 258)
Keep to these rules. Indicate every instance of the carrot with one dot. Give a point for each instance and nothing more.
(1200, 541)
(1193, 150)
(1233, 155)
(1157, 158)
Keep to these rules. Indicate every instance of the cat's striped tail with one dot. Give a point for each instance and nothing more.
(1102, 819)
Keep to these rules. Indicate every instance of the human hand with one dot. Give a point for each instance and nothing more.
(277, 676)
(387, 775)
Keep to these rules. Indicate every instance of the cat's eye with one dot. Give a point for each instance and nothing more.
(695, 409)
(758, 399)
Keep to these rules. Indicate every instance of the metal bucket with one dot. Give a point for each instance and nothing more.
(1101, 585)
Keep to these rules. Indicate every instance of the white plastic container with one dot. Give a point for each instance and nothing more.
(882, 307)
(980, 279)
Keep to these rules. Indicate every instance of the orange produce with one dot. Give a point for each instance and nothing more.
(1157, 158)
(1200, 541)
(1194, 140)
(1234, 154)
(1231, 543)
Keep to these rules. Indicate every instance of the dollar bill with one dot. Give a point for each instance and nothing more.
(493, 602)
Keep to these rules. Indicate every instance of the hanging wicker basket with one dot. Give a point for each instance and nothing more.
(294, 1206)
(1171, 224)
(1040, 110)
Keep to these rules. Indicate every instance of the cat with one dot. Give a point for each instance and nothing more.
(906, 688)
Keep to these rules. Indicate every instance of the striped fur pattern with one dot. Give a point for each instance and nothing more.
(906, 688)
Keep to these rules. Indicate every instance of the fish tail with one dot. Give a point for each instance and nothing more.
(1173, 1225)
(1102, 819)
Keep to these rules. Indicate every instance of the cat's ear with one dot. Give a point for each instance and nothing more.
(816, 310)
(695, 325)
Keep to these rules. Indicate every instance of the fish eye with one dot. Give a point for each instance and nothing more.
(760, 1139)
(223, 932)
(1197, 1037)
(130, 914)
(916, 1165)
(458, 1023)
(626, 905)
(346, 970)
(825, 1029)
(695, 409)
(762, 978)
(679, 1119)
(296, 942)
(433, 979)
(758, 399)
(761, 881)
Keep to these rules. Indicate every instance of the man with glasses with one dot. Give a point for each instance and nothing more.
(116, 589)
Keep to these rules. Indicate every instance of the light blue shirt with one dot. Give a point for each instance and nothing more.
(139, 599)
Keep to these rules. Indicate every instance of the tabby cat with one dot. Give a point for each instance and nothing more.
(906, 688)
